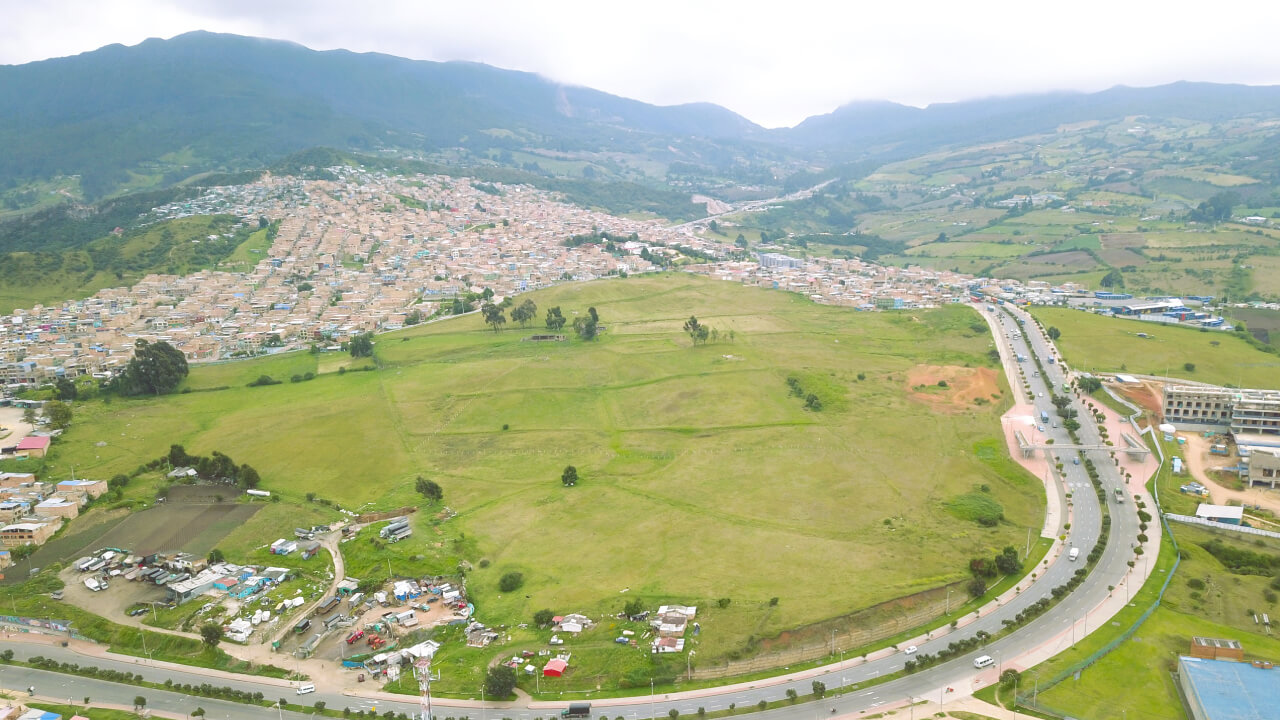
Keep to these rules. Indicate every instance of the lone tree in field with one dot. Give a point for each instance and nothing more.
(586, 327)
(429, 489)
(211, 634)
(361, 345)
(555, 320)
(493, 316)
(59, 414)
(543, 617)
(156, 368)
(570, 476)
(499, 682)
(1054, 333)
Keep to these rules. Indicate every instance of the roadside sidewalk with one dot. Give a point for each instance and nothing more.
(93, 650)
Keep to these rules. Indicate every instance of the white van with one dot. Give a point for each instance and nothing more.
(983, 661)
(1075, 553)
(306, 688)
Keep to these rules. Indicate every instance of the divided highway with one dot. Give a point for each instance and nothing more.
(1047, 631)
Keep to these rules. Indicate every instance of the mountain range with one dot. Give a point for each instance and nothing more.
(163, 111)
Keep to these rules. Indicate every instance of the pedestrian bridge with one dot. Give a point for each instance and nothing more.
(1133, 447)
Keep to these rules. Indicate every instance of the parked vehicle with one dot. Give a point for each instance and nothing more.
(328, 606)
(983, 661)
(577, 710)
(355, 636)
(302, 626)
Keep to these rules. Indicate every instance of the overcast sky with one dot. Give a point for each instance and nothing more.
(774, 62)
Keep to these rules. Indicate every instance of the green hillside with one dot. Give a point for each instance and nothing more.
(702, 475)
(174, 247)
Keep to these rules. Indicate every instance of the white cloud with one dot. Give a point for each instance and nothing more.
(773, 62)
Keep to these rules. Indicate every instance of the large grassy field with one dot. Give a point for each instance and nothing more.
(1106, 344)
(702, 476)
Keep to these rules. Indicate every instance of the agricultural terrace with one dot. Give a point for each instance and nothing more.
(702, 476)
(1099, 343)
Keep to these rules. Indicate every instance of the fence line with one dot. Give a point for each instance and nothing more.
(1188, 519)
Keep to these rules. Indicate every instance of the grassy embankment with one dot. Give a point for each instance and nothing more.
(1104, 344)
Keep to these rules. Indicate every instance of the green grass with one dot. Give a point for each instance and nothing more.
(975, 507)
(693, 460)
(1097, 343)
(93, 713)
(248, 253)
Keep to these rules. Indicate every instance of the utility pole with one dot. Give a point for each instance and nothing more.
(652, 714)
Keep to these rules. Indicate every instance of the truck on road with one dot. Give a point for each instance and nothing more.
(577, 710)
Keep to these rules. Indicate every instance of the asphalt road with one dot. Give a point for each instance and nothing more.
(959, 673)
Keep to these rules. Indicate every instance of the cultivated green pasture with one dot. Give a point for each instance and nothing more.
(702, 477)
(1106, 344)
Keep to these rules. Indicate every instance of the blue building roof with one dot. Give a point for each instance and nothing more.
(1232, 690)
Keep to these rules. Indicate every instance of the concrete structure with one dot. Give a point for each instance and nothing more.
(1215, 649)
(1228, 514)
(58, 507)
(92, 488)
(1224, 690)
(34, 445)
(1241, 411)
(13, 480)
(1262, 467)
(27, 533)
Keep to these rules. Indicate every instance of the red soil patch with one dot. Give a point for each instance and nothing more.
(963, 386)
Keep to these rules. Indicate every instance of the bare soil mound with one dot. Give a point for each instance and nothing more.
(950, 388)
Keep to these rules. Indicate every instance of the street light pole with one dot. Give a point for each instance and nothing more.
(652, 713)
(688, 665)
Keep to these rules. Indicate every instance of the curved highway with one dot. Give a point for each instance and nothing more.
(1050, 632)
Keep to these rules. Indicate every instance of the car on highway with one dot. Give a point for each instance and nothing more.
(911, 650)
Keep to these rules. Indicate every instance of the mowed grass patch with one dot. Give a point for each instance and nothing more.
(702, 476)
(1105, 344)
